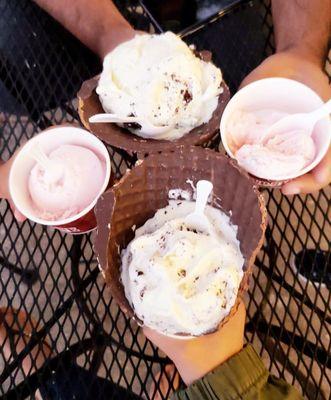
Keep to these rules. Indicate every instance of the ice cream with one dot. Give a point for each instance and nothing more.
(159, 78)
(82, 177)
(273, 156)
(179, 280)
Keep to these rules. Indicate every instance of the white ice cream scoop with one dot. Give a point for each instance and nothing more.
(198, 220)
(53, 170)
(303, 122)
(146, 127)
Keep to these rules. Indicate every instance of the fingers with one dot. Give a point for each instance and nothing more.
(173, 348)
(304, 184)
(4, 189)
(17, 214)
(4, 177)
(4, 194)
(322, 172)
(241, 310)
(236, 321)
(157, 338)
(153, 336)
(149, 333)
(314, 181)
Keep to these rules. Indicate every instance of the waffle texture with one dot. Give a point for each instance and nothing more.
(144, 190)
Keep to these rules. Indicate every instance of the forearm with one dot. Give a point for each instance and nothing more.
(303, 26)
(98, 24)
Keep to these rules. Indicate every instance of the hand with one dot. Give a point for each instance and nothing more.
(293, 65)
(196, 357)
(4, 187)
(115, 37)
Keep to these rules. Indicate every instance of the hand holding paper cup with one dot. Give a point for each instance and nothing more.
(282, 153)
(57, 177)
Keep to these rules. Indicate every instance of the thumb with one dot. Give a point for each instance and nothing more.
(17, 214)
(322, 172)
(165, 343)
(152, 335)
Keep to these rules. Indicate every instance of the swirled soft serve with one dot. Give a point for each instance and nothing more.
(179, 280)
(159, 78)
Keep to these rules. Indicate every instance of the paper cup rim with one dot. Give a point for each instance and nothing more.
(74, 217)
(260, 82)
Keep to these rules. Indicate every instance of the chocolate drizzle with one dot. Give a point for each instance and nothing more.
(187, 97)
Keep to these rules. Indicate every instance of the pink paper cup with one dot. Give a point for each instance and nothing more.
(49, 140)
(283, 95)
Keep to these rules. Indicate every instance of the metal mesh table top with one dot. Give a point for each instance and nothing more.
(54, 277)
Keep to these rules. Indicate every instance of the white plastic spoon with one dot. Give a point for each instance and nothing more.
(197, 219)
(147, 128)
(53, 170)
(303, 122)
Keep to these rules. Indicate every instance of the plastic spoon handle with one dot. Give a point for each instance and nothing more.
(204, 189)
(39, 160)
(111, 118)
(321, 112)
(38, 154)
(147, 128)
(53, 170)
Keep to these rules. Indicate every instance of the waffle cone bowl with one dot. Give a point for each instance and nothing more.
(114, 135)
(144, 190)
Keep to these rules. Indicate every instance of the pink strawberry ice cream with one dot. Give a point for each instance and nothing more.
(81, 178)
(269, 157)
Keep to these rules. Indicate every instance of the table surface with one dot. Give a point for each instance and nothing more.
(55, 278)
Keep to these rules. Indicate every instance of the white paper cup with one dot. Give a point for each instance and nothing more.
(280, 94)
(49, 140)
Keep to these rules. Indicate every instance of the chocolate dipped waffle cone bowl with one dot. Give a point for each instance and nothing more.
(112, 134)
(145, 189)
(175, 97)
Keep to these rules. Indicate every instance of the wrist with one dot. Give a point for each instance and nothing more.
(195, 362)
(200, 356)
